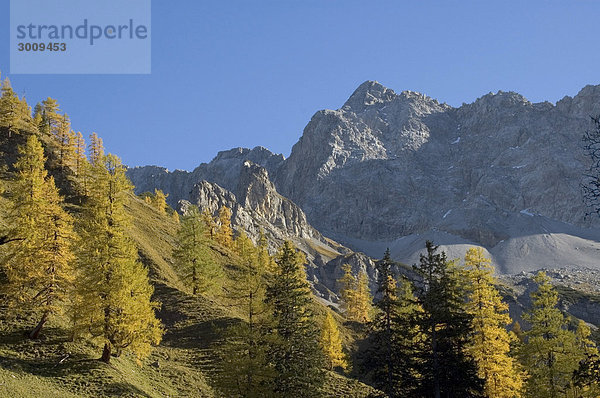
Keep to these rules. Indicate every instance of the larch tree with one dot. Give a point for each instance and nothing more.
(114, 306)
(159, 200)
(293, 347)
(192, 254)
(550, 354)
(331, 343)
(9, 108)
(347, 283)
(15, 114)
(210, 226)
(95, 149)
(363, 298)
(38, 265)
(355, 295)
(586, 379)
(265, 260)
(65, 142)
(50, 116)
(490, 342)
(224, 234)
(79, 155)
(445, 368)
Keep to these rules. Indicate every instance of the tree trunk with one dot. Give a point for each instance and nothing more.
(36, 331)
(106, 353)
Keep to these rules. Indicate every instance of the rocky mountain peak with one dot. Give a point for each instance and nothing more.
(501, 100)
(368, 94)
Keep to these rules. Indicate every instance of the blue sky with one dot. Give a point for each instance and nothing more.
(247, 73)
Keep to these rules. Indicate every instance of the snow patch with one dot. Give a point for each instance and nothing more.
(456, 141)
(519, 167)
(527, 212)
(447, 213)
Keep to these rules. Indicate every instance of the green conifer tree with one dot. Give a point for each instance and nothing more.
(294, 349)
(445, 368)
(192, 254)
(246, 371)
(389, 360)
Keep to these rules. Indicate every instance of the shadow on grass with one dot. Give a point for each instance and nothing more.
(121, 389)
(199, 335)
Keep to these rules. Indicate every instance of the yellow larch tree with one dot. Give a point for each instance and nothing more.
(363, 298)
(38, 265)
(347, 284)
(355, 295)
(489, 345)
(114, 305)
(209, 223)
(331, 342)
(159, 201)
(224, 234)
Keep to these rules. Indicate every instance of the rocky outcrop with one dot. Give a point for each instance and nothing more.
(257, 206)
(223, 170)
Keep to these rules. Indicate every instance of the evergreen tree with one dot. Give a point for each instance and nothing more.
(224, 234)
(444, 366)
(389, 361)
(192, 254)
(246, 371)
(294, 349)
(490, 342)
(114, 306)
(38, 263)
(551, 354)
(331, 342)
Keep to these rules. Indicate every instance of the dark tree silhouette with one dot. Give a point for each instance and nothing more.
(590, 185)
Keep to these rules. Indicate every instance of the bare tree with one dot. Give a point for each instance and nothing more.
(590, 185)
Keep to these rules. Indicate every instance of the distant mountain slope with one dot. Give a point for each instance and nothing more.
(386, 166)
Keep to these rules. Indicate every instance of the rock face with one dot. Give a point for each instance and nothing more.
(256, 205)
(501, 172)
(389, 169)
(223, 170)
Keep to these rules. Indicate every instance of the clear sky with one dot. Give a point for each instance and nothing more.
(247, 73)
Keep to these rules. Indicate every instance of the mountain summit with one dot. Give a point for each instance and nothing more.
(390, 169)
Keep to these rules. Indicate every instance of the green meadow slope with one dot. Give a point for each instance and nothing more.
(184, 364)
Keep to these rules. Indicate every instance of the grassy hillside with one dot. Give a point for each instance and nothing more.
(182, 366)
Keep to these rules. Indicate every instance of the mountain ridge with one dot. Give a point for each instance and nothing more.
(386, 166)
